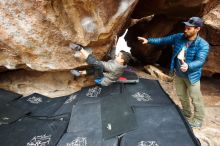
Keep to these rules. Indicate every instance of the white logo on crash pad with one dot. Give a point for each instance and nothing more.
(79, 141)
(94, 92)
(42, 140)
(147, 143)
(109, 126)
(70, 99)
(35, 100)
(142, 96)
(5, 118)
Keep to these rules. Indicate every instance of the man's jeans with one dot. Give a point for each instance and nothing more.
(185, 90)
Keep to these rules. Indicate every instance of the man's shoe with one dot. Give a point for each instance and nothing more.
(75, 47)
(195, 123)
(75, 72)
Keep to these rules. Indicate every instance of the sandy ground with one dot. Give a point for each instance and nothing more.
(209, 134)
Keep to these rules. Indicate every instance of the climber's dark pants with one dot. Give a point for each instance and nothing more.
(97, 67)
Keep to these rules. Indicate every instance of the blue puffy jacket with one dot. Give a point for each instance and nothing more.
(195, 56)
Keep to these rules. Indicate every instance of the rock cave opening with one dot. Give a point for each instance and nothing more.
(153, 26)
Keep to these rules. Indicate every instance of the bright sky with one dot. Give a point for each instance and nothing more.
(122, 44)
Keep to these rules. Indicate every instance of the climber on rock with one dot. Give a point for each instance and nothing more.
(105, 73)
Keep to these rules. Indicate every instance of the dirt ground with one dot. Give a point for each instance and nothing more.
(209, 134)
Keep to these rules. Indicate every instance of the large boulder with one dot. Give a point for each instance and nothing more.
(212, 21)
(35, 34)
(212, 33)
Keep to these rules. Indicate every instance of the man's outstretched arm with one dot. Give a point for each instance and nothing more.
(159, 41)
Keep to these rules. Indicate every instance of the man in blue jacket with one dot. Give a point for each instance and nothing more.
(188, 58)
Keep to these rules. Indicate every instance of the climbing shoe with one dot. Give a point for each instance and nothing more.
(75, 47)
(75, 72)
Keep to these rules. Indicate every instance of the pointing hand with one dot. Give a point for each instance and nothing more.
(144, 41)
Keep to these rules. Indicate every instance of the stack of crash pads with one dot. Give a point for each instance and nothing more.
(138, 114)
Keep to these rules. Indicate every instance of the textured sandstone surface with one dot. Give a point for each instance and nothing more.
(51, 84)
(35, 34)
(173, 8)
(212, 33)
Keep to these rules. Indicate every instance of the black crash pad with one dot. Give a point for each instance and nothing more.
(92, 94)
(84, 138)
(117, 116)
(159, 125)
(85, 126)
(33, 132)
(9, 113)
(6, 96)
(146, 93)
(85, 117)
(39, 105)
(68, 104)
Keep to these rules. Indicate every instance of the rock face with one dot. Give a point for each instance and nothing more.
(212, 33)
(180, 8)
(35, 34)
(159, 26)
(51, 84)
